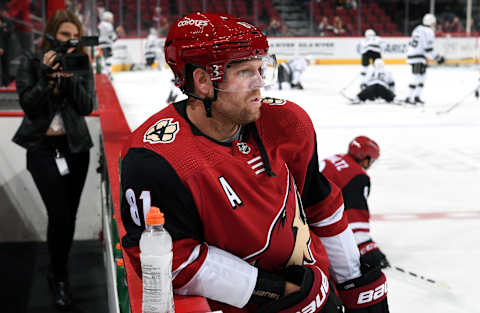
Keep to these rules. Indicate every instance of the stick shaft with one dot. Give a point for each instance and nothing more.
(457, 103)
(420, 277)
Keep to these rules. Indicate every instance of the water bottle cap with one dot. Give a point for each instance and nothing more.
(155, 216)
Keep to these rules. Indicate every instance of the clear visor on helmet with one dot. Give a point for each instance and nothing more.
(249, 74)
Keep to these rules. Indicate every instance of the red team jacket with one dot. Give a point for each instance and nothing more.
(346, 173)
(220, 194)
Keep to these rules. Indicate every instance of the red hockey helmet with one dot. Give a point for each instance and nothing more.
(211, 41)
(362, 147)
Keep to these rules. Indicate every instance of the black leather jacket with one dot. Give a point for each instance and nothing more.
(76, 99)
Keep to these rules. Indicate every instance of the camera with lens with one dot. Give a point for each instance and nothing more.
(74, 63)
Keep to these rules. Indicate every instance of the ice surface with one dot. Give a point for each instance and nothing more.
(425, 185)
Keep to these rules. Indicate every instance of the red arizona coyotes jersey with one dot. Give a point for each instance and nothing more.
(223, 194)
(346, 173)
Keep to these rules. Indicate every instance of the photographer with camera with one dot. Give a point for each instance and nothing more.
(55, 133)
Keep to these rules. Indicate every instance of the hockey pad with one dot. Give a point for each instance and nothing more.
(372, 255)
(365, 294)
(312, 296)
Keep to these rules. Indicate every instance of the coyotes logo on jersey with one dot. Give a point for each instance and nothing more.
(288, 222)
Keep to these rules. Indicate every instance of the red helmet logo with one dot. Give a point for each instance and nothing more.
(187, 21)
(211, 41)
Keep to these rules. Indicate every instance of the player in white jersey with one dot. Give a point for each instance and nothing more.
(370, 48)
(421, 46)
(379, 83)
(152, 48)
(106, 37)
(289, 73)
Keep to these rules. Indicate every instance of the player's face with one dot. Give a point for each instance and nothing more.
(239, 94)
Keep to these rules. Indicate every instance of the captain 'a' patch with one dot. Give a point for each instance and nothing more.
(163, 131)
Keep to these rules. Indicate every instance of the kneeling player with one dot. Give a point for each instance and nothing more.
(379, 84)
(289, 73)
(349, 172)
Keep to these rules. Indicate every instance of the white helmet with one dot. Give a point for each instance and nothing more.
(107, 16)
(429, 20)
(378, 63)
(153, 31)
(369, 33)
(310, 60)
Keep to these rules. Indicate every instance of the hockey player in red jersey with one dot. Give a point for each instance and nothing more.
(256, 227)
(348, 171)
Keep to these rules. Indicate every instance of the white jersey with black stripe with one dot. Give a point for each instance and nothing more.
(106, 35)
(421, 45)
(152, 46)
(373, 43)
(380, 76)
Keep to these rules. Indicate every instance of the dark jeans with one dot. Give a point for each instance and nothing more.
(60, 194)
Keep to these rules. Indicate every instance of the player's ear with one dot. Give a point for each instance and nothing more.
(203, 84)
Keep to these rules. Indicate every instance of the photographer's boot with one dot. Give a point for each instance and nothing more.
(61, 292)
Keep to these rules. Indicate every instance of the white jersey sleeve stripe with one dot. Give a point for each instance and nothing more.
(335, 217)
(193, 256)
(222, 277)
(361, 237)
(359, 225)
(343, 255)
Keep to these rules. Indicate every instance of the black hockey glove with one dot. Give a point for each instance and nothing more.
(440, 59)
(372, 255)
(365, 294)
(315, 294)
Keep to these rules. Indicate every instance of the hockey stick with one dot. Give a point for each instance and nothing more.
(456, 104)
(430, 281)
(342, 92)
(349, 83)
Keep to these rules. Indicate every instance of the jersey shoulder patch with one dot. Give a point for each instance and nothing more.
(163, 131)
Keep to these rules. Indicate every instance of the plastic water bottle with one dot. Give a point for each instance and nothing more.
(156, 258)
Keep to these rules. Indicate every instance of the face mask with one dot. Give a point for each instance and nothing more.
(250, 74)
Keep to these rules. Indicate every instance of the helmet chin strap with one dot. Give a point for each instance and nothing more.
(207, 102)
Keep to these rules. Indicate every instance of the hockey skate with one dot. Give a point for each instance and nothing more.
(356, 100)
(418, 100)
(397, 101)
(408, 101)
